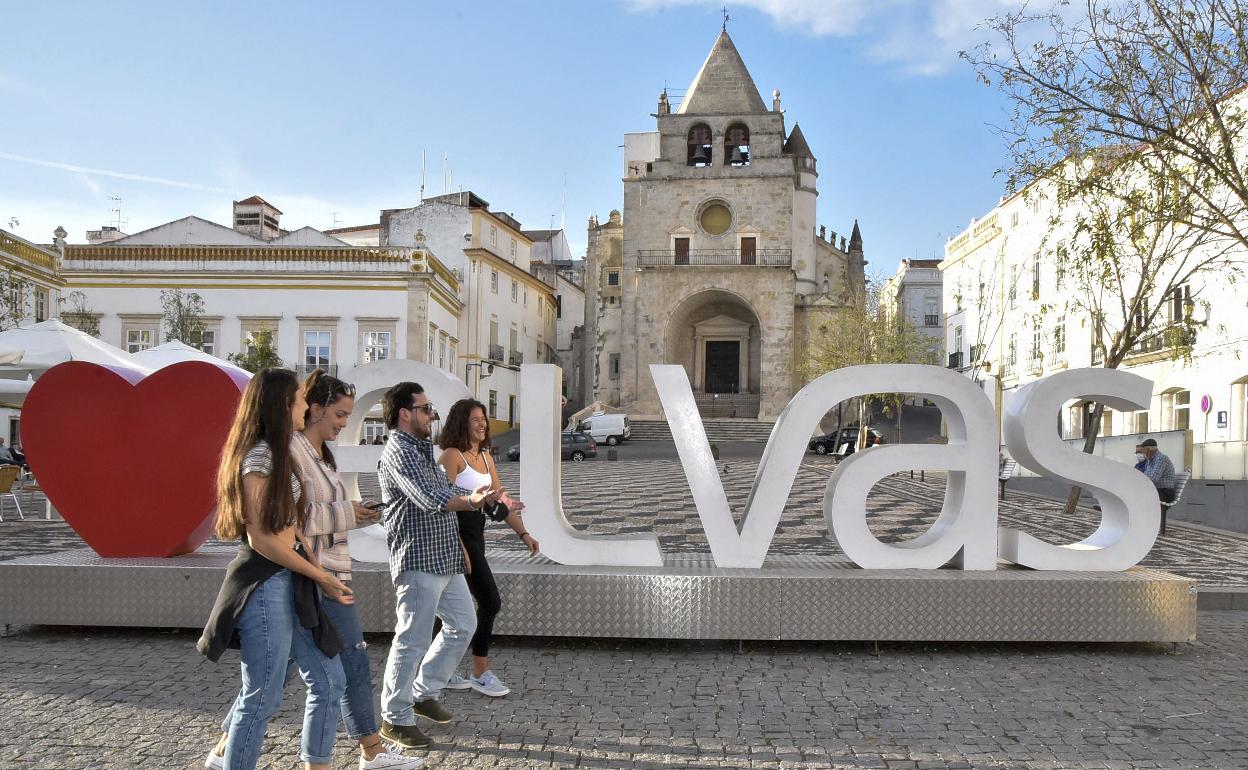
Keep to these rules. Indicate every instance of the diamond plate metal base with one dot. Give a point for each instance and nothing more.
(687, 598)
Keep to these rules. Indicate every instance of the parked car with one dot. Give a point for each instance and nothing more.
(574, 446)
(608, 428)
(831, 442)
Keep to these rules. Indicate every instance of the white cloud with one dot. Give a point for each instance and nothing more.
(56, 164)
(919, 36)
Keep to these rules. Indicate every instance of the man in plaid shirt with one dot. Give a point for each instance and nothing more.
(427, 565)
(1159, 468)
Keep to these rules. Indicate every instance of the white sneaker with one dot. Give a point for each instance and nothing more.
(457, 682)
(488, 684)
(214, 761)
(388, 761)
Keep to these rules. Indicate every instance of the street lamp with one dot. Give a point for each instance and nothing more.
(483, 370)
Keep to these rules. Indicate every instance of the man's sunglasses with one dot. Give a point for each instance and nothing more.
(428, 409)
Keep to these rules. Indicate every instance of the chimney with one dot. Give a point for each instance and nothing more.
(258, 218)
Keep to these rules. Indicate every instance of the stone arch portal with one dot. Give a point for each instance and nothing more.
(717, 337)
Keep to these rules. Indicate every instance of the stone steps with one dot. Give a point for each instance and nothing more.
(719, 430)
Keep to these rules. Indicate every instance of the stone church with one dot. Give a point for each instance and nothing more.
(716, 263)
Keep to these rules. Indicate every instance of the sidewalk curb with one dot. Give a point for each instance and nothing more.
(1221, 598)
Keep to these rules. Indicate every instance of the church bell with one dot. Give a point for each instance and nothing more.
(738, 158)
(702, 154)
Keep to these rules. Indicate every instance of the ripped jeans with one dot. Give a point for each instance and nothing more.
(357, 700)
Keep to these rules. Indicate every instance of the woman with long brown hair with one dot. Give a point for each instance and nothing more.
(269, 605)
(465, 437)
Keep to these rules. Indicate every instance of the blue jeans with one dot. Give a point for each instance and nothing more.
(415, 670)
(270, 636)
(357, 701)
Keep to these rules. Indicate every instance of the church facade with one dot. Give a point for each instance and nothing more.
(716, 262)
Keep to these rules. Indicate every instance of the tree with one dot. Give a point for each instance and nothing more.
(867, 332)
(1128, 123)
(79, 315)
(15, 293)
(183, 316)
(261, 352)
(1153, 85)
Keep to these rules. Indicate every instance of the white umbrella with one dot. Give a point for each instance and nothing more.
(174, 352)
(13, 392)
(48, 343)
(10, 355)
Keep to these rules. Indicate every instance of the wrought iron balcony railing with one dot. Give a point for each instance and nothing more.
(715, 258)
(516, 358)
(955, 360)
(496, 353)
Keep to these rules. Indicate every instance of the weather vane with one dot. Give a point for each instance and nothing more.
(726, 17)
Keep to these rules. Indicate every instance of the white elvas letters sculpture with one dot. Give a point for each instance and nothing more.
(1130, 513)
(539, 484)
(966, 527)
(965, 531)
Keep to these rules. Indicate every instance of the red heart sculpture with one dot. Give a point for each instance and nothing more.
(131, 461)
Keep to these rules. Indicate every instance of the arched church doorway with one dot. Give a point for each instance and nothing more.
(716, 336)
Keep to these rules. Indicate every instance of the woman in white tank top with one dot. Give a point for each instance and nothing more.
(465, 437)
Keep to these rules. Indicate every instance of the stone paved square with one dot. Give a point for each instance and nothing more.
(79, 698)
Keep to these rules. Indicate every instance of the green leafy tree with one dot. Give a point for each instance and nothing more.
(261, 352)
(867, 332)
(183, 316)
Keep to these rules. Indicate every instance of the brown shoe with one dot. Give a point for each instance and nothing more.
(432, 708)
(407, 736)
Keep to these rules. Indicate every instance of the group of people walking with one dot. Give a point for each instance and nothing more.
(286, 602)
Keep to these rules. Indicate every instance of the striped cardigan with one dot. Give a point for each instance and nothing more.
(330, 512)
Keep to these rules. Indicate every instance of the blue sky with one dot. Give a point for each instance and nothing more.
(324, 108)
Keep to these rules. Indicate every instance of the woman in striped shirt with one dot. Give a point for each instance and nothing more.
(330, 515)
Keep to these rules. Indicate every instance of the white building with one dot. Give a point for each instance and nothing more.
(1008, 322)
(327, 302)
(32, 292)
(914, 293)
(508, 314)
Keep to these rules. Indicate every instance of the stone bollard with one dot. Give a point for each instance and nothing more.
(612, 454)
(715, 451)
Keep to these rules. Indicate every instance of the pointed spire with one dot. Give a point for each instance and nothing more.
(723, 85)
(796, 144)
(855, 238)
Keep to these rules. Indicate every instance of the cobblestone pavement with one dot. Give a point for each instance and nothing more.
(652, 496)
(106, 698)
(78, 699)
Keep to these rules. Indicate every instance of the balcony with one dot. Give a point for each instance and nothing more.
(516, 358)
(955, 360)
(1167, 340)
(496, 353)
(545, 353)
(931, 320)
(1009, 367)
(715, 258)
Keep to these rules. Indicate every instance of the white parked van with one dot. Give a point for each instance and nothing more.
(609, 429)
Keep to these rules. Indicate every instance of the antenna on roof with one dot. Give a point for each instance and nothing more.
(116, 210)
(336, 220)
(422, 176)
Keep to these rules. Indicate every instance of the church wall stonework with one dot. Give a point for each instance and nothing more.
(643, 309)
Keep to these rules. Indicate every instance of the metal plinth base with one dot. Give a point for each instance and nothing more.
(688, 598)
